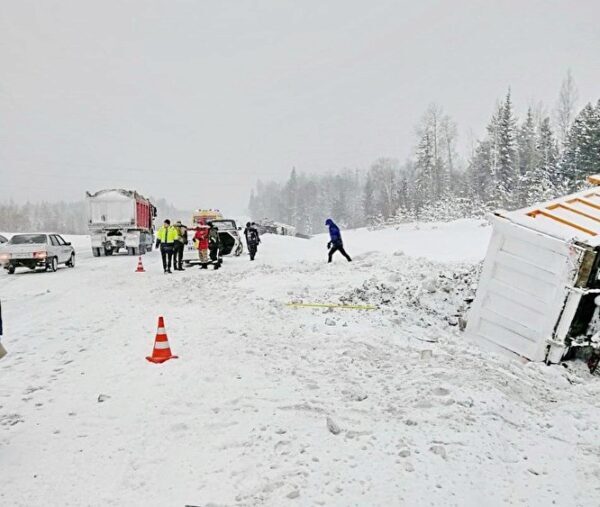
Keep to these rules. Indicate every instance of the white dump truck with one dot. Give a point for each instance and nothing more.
(120, 220)
(538, 296)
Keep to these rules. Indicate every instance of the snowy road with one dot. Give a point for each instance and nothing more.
(241, 417)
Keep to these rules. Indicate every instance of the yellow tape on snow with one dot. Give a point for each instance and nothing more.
(325, 305)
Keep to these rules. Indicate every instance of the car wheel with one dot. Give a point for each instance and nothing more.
(96, 252)
(52, 265)
(71, 261)
(11, 270)
(108, 252)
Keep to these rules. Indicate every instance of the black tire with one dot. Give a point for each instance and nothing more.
(71, 262)
(142, 249)
(108, 252)
(96, 252)
(11, 270)
(52, 265)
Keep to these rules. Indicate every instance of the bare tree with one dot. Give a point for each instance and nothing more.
(564, 112)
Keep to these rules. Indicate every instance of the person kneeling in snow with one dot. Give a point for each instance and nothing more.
(335, 244)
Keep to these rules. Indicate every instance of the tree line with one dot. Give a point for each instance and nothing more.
(515, 163)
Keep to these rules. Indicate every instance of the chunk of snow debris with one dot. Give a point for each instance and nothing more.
(404, 453)
(332, 426)
(441, 391)
(281, 431)
(103, 397)
(410, 422)
(398, 253)
(430, 285)
(409, 467)
(440, 450)
(359, 396)
(453, 321)
(330, 322)
(293, 494)
(423, 404)
(426, 354)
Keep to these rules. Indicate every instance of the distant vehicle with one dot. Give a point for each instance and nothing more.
(120, 220)
(2, 239)
(34, 251)
(206, 215)
(231, 241)
(267, 226)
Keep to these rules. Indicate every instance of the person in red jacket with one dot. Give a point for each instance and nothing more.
(201, 239)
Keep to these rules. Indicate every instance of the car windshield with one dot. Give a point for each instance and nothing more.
(28, 239)
(225, 225)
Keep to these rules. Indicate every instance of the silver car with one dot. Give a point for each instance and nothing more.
(35, 251)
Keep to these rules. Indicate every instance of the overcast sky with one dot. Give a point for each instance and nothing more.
(194, 100)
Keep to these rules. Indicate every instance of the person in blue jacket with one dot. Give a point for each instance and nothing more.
(335, 244)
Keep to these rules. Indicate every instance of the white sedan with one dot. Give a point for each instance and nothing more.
(34, 251)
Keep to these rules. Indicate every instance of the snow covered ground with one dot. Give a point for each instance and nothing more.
(241, 417)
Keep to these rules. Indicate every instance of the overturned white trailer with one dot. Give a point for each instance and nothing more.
(539, 288)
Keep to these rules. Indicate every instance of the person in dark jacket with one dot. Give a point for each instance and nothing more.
(335, 244)
(252, 239)
(214, 245)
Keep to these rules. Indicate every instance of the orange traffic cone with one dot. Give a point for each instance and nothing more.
(140, 268)
(161, 351)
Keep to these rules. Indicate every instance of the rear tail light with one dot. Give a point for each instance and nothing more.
(40, 255)
(4, 257)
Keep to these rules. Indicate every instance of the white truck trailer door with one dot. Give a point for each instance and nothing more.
(522, 290)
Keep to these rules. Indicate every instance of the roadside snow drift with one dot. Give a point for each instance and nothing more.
(273, 405)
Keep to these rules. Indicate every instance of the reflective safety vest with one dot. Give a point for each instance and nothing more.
(167, 234)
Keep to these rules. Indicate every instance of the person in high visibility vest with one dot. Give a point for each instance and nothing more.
(179, 246)
(165, 238)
